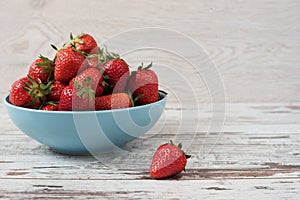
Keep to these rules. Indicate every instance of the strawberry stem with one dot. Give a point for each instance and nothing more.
(141, 67)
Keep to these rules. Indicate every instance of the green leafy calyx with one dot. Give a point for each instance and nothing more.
(85, 90)
(37, 90)
(180, 146)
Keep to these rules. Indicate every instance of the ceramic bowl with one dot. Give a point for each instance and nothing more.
(86, 132)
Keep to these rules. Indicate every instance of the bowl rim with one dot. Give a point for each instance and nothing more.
(8, 104)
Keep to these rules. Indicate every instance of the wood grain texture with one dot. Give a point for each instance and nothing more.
(258, 153)
(255, 46)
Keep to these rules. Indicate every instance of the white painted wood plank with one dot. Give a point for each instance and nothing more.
(151, 189)
(253, 43)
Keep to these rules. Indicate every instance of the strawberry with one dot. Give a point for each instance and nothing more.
(42, 68)
(79, 96)
(99, 90)
(143, 84)
(113, 101)
(95, 76)
(50, 107)
(117, 72)
(66, 103)
(25, 92)
(67, 64)
(168, 160)
(83, 42)
(92, 59)
(56, 90)
(84, 95)
(98, 57)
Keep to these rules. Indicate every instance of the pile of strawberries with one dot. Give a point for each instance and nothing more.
(84, 77)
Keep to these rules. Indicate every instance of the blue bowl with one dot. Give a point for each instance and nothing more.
(86, 132)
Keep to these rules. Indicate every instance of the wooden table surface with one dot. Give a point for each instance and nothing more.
(255, 46)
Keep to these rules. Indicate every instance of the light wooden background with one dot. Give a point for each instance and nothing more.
(254, 43)
(256, 47)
